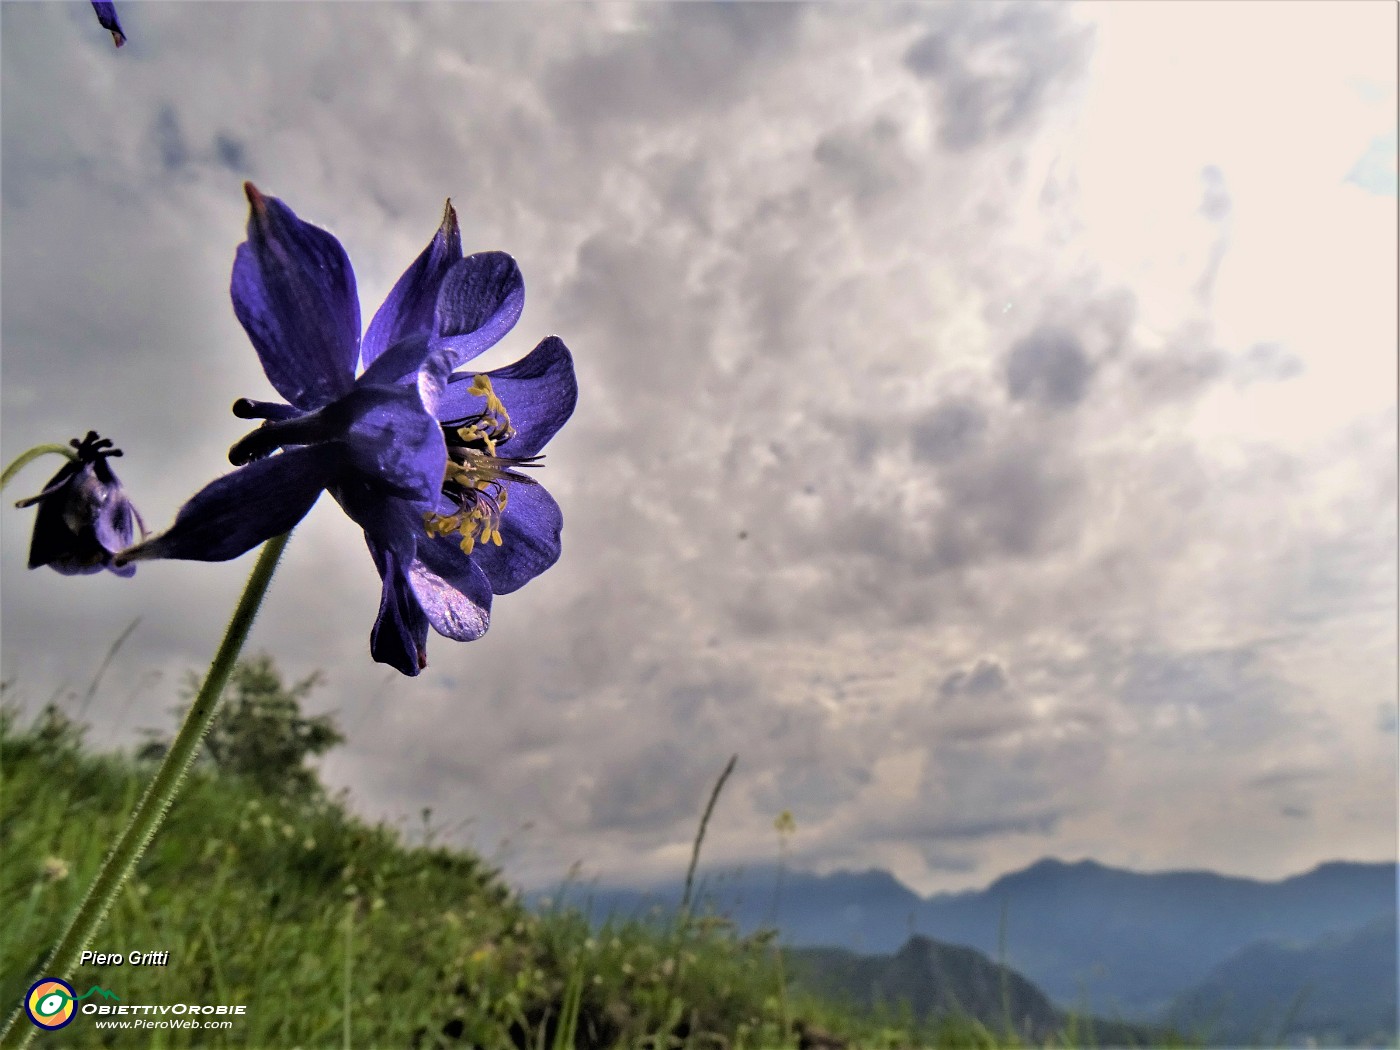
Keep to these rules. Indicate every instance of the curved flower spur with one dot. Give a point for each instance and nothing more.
(427, 460)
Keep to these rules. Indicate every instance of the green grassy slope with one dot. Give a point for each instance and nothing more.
(333, 932)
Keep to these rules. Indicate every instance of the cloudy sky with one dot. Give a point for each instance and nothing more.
(987, 417)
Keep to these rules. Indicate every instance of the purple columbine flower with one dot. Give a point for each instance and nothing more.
(107, 15)
(426, 460)
(84, 517)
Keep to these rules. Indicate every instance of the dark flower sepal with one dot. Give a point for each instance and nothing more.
(84, 516)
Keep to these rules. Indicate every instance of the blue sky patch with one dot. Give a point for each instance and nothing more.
(1375, 170)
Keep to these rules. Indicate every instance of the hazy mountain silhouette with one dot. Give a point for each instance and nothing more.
(1337, 990)
(936, 981)
(1093, 938)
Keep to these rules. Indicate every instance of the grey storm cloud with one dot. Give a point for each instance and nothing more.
(1216, 206)
(986, 677)
(1210, 678)
(1188, 365)
(652, 790)
(870, 159)
(1035, 823)
(1286, 777)
(679, 57)
(232, 153)
(951, 429)
(994, 67)
(1215, 195)
(170, 142)
(1048, 367)
(973, 708)
(1267, 362)
(1015, 500)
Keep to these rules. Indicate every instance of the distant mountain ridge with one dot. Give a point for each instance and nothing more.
(1339, 990)
(1094, 938)
(936, 982)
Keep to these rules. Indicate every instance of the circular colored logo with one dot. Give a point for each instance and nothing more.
(50, 1003)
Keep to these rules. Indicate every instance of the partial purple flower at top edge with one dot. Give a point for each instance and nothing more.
(107, 15)
(84, 517)
(429, 462)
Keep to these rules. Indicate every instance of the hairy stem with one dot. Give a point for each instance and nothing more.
(25, 458)
(155, 803)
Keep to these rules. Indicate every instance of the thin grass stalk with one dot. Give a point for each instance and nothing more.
(102, 667)
(151, 811)
(700, 837)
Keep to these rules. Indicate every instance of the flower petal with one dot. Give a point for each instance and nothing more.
(107, 16)
(409, 362)
(84, 517)
(480, 301)
(392, 439)
(409, 309)
(399, 363)
(294, 293)
(116, 522)
(238, 511)
(453, 592)
(539, 391)
(63, 537)
(391, 524)
(384, 432)
(400, 634)
(247, 408)
(530, 528)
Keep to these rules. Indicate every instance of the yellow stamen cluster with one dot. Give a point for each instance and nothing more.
(493, 424)
(474, 475)
(479, 520)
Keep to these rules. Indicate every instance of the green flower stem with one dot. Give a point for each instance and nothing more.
(155, 804)
(26, 458)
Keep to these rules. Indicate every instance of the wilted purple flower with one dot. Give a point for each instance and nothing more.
(107, 15)
(426, 461)
(84, 517)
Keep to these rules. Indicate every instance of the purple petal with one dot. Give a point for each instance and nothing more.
(530, 530)
(409, 309)
(454, 594)
(294, 292)
(116, 523)
(394, 440)
(84, 517)
(238, 511)
(107, 16)
(410, 363)
(385, 435)
(391, 525)
(398, 363)
(125, 571)
(480, 301)
(400, 634)
(539, 391)
(247, 408)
